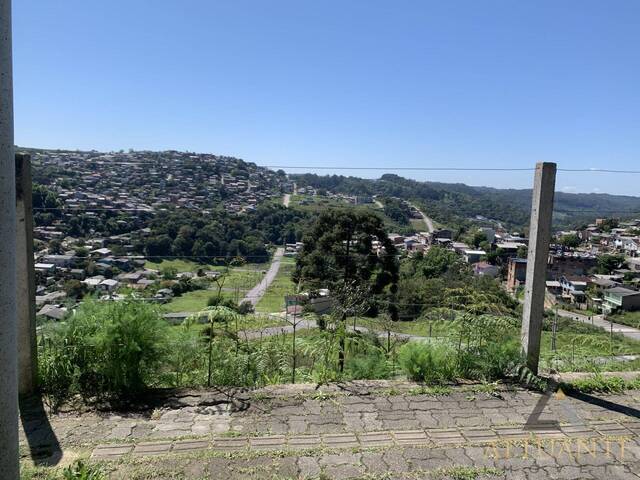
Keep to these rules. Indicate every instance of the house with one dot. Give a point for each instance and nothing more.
(574, 288)
(473, 256)
(516, 273)
(485, 269)
(64, 261)
(108, 285)
(396, 238)
(630, 246)
(554, 287)
(45, 268)
(100, 252)
(53, 312)
(569, 264)
(93, 282)
(620, 298)
(50, 298)
(77, 273)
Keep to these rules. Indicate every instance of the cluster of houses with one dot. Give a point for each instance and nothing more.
(144, 181)
(572, 277)
(503, 243)
(138, 184)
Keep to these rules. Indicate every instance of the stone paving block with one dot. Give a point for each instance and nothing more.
(445, 436)
(479, 435)
(268, 443)
(302, 442)
(375, 439)
(410, 437)
(155, 448)
(111, 451)
(512, 433)
(190, 445)
(340, 440)
(577, 431)
(230, 444)
(610, 428)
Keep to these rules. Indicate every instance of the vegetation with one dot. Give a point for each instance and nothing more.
(106, 347)
(607, 263)
(458, 205)
(601, 384)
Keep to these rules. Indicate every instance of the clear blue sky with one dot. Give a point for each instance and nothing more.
(340, 83)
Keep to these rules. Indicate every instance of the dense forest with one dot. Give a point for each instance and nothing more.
(456, 204)
(219, 235)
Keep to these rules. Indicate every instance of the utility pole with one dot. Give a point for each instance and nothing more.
(9, 459)
(539, 238)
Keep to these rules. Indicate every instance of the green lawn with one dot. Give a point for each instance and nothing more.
(273, 300)
(238, 282)
(190, 301)
(178, 264)
(632, 319)
(419, 224)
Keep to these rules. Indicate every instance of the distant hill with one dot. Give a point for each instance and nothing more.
(457, 204)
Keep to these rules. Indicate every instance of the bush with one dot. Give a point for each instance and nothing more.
(80, 470)
(245, 308)
(491, 361)
(219, 301)
(368, 366)
(106, 347)
(427, 362)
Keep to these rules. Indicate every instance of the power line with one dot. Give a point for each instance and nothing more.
(596, 170)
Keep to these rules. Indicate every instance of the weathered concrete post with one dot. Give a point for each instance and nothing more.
(539, 237)
(25, 279)
(9, 465)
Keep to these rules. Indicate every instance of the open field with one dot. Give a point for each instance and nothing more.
(238, 282)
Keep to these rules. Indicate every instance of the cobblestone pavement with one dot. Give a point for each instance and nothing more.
(356, 430)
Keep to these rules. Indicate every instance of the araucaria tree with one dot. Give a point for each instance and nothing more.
(339, 252)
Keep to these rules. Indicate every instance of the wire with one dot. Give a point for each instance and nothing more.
(596, 170)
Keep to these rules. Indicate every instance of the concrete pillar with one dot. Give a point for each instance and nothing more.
(25, 279)
(539, 237)
(9, 465)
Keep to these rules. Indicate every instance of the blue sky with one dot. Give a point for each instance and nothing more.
(341, 83)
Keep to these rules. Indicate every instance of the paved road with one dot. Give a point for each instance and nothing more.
(426, 219)
(599, 321)
(256, 293)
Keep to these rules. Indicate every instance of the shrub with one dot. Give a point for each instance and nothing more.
(431, 363)
(369, 365)
(81, 470)
(490, 361)
(220, 301)
(245, 308)
(105, 347)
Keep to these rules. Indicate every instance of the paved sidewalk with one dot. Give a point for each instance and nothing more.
(368, 429)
